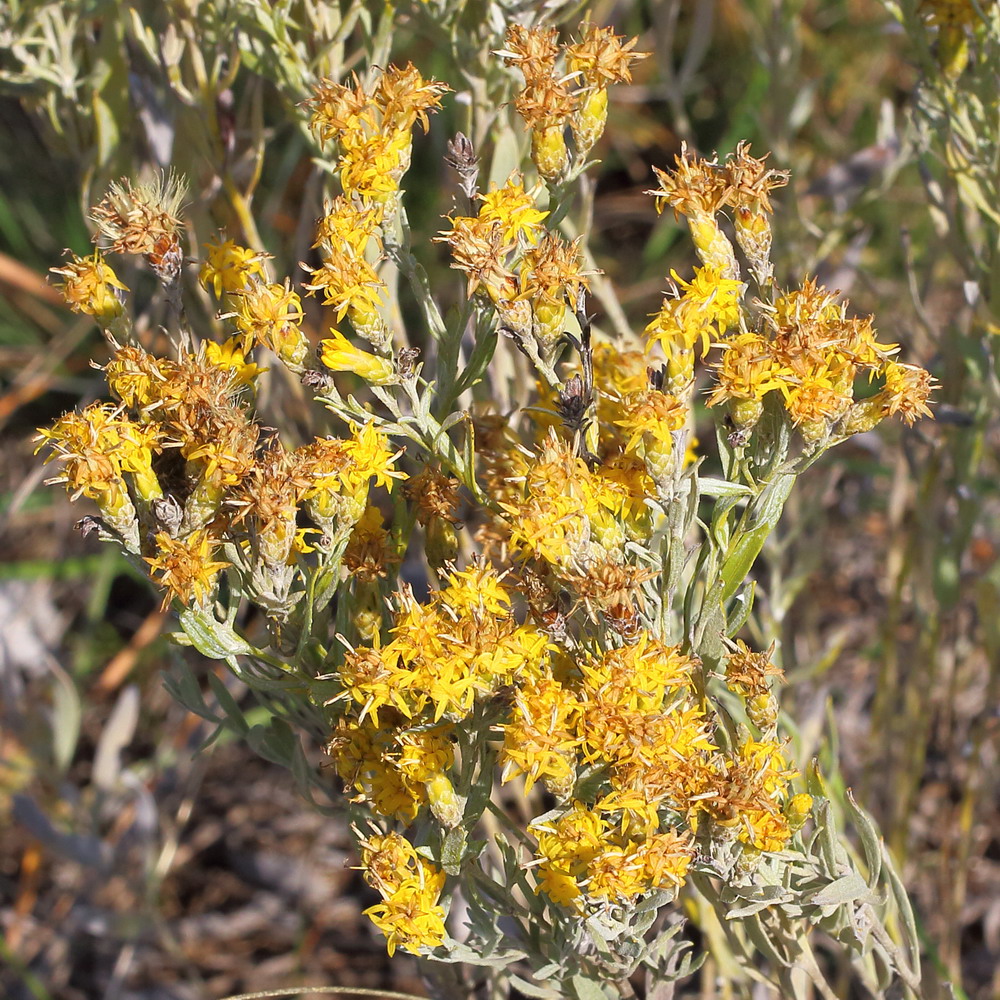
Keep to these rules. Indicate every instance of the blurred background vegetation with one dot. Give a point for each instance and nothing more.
(132, 867)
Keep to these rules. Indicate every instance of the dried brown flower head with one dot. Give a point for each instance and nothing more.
(144, 219)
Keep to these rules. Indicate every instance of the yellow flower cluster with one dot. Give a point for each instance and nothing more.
(570, 516)
(463, 643)
(608, 853)
(176, 461)
(632, 714)
(373, 130)
(811, 352)
(266, 314)
(348, 281)
(699, 312)
(409, 915)
(91, 286)
(529, 275)
(575, 95)
(801, 344)
(700, 189)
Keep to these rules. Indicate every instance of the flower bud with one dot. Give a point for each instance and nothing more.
(548, 151)
(447, 807)
(588, 123)
(797, 810)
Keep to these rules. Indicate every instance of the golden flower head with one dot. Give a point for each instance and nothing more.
(907, 390)
(514, 208)
(337, 110)
(185, 567)
(532, 50)
(270, 315)
(404, 97)
(229, 267)
(601, 58)
(545, 102)
(748, 672)
(345, 223)
(480, 248)
(694, 187)
(435, 495)
(750, 181)
(90, 286)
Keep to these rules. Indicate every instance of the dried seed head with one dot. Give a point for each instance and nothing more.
(144, 219)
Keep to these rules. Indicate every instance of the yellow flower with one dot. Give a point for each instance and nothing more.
(540, 741)
(367, 556)
(667, 857)
(90, 286)
(372, 170)
(138, 378)
(229, 355)
(369, 457)
(708, 308)
(558, 884)
(532, 50)
(340, 355)
(481, 248)
(695, 187)
(907, 389)
(388, 861)
(185, 567)
(410, 918)
(404, 97)
(269, 315)
(601, 58)
(352, 286)
(748, 370)
(477, 589)
(337, 110)
(135, 455)
(229, 267)
(346, 224)
(88, 444)
(514, 208)
(410, 915)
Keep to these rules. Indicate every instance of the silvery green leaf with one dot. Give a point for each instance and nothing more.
(601, 933)
(542, 992)
(846, 889)
(453, 418)
(227, 703)
(738, 912)
(182, 686)
(212, 638)
(722, 488)
(763, 941)
(742, 606)
(902, 899)
(274, 742)
(549, 971)
(586, 989)
(453, 851)
(871, 842)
